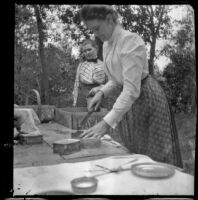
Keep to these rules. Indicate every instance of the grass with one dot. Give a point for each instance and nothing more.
(186, 127)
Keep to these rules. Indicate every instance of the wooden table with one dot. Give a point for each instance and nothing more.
(42, 154)
(38, 170)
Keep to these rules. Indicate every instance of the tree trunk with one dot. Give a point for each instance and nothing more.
(44, 74)
(39, 88)
(152, 55)
(154, 34)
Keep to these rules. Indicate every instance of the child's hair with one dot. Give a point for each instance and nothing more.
(99, 12)
(89, 41)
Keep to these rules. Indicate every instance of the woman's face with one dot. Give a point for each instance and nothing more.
(89, 51)
(101, 28)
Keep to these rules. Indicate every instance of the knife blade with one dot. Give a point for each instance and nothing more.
(84, 120)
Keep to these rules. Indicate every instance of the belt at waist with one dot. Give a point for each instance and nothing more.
(89, 85)
(145, 78)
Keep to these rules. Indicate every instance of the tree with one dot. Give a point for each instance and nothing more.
(181, 72)
(29, 73)
(75, 29)
(34, 31)
(61, 70)
(151, 22)
(25, 54)
(44, 75)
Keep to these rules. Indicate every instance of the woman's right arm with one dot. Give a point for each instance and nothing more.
(98, 96)
(108, 88)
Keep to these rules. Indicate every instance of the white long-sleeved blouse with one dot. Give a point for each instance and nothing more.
(125, 63)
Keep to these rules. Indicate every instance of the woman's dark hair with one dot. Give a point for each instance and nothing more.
(99, 12)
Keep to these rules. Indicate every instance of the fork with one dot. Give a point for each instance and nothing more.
(119, 168)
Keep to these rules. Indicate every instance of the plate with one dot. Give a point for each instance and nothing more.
(129, 156)
(153, 170)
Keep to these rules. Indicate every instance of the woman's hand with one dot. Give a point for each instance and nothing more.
(95, 102)
(97, 131)
(94, 90)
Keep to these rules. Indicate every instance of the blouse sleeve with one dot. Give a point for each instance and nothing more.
(133, 58)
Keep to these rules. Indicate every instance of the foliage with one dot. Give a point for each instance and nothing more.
(24, 57)
(25, 75)
(151, 22)
(74, 29)
(181, 72)
(62, 68)
(145, 19)
(60, 64)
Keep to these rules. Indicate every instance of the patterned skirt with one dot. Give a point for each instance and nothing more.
(149, 127)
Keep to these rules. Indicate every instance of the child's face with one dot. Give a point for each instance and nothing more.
(89, 51)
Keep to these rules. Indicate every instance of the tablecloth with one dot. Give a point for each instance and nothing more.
(37, 180)
(29, 118)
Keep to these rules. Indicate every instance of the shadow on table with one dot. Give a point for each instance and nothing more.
(56, 192)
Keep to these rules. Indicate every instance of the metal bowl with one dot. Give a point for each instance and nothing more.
(66, 146)
(84, 185)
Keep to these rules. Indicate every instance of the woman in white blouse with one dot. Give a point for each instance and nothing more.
(142, 109)
(90, 73)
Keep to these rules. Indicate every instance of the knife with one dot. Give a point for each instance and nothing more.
(84, 120)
